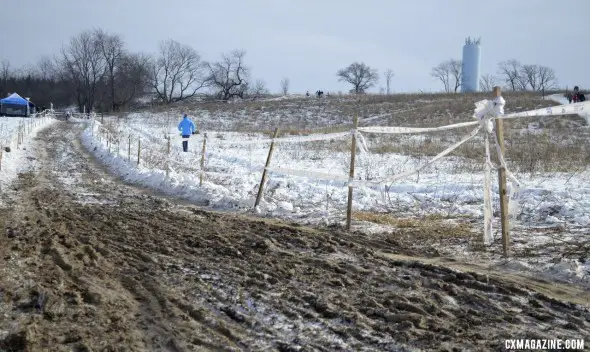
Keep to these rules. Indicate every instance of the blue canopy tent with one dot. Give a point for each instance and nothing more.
(15, 105)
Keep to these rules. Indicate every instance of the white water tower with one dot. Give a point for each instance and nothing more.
(470, 71)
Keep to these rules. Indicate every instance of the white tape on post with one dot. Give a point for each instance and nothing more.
(515, 185)
(488, 235)
(484, 112)
(362, 143)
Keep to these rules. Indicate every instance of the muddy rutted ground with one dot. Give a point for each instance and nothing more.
(134, 272)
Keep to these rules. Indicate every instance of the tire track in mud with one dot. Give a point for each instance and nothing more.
(131, 272)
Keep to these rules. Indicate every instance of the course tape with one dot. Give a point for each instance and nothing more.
(356, 183)
(409, 130)
(374, 117)
(416, 170)
(308, 174)
(559, 110)
(298, 139)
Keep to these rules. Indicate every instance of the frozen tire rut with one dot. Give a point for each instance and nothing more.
(89, 264)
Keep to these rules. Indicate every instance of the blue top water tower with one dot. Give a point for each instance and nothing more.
(471, 62)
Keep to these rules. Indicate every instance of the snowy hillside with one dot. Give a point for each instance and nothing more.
(549, 156)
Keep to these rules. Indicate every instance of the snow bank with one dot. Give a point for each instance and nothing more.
(233, 172)
(21, 158)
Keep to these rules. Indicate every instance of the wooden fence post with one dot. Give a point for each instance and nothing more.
(168, 156)
(263, 179)
(203, 159)
(351, 174)
(129, 149)
(502, 182)
(138, 150)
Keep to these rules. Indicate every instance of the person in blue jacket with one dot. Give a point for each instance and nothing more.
(186, 128)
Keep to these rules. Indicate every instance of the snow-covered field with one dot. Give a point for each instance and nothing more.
(552, 206)
(20, 158)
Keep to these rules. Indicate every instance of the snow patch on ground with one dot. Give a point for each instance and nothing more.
(21, 158)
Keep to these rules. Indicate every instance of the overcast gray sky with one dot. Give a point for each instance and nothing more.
(308, 41)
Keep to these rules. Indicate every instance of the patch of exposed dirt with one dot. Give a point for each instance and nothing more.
(132, 272)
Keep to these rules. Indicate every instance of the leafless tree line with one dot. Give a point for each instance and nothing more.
(449, 73)
(516, 76)
(95, 70)
(520, 77)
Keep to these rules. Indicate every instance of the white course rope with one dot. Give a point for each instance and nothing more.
(298, 139)
(568, 109)
(408, 130)
(416, 170)
(308, 174)
(362, 145)
(374, 117)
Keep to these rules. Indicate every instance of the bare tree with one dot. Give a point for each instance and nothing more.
(449, 72)
(112, 49)
(82, 63)
(4, 69)
(285, 85)
(546, 78)
(4, 75)
(132, 79)
(530, 75)
(442, 72)
(388, 74)
(455, 67)
(361, 76)
(510, 71)
(177, 73)
(487, 83)
(229, 77)
(46, 68)
(259, 90)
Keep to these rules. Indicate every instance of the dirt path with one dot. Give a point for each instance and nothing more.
(89, 264)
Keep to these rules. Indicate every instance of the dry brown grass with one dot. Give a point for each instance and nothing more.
(310, 114)
(561, 146)
(436, 226)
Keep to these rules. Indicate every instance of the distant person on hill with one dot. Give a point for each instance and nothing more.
(186, 128)
(577, 96)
